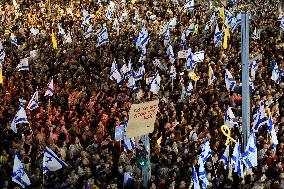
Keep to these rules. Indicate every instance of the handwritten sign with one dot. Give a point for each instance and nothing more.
(182, 54)
(142, 118)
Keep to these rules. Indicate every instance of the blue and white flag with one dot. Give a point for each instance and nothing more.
(259, 118)
(233, 1)
(195, 179)
(271, 129)
(142, 39)
(225, 157)
(50, 88)
(131, 82)
(206, 151)
(190, 64)
(33, 104)
(20, 117)
(14, 40)
(253, 68)
(119, 133)
(173, 73)
(202, 174)
(217, 36)
(171, 54)
(86, 15)
(198, 56)
(188, 89)
(228, 18)
(2, 55)
(23, 65)
(189, 5)
(230, 81)
(156, 62)
(51, 162)
(128, 143)
(166, 34)
(19, 174)
(116, 76)
(182, 40)
(102, 36)
(110, 9)
(237, 159)
(123, 69)
(281, 22)
(143, 55)
(173, 23)
(190, 29)
(140, 73)
(276, 74)
(155, 84)
(229, 119)
(89, 31)
(250, 154)
(251, 85)
(61, 31)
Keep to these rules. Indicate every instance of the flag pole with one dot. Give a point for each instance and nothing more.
(172, 84)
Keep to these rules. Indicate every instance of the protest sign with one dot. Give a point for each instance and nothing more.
(182, 54)
(142, 118)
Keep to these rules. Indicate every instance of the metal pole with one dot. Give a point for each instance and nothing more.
(245, 79)
(146, 170)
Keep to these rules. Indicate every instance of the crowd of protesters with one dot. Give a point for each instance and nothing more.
(79, 120)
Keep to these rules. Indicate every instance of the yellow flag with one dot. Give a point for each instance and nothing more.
(226, 36)
(159, 141)
(222, 13)
(1, 77)
(193, 76)
(133, 1)
(53, 39)
(195, 29)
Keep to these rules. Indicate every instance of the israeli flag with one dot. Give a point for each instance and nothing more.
(259, 118)
(84, 25)
(171, 54)
(229, 119)
(19, 174)
(166, 34)
(206, 151)
(140, 73)
(20, 117)
(237, 159)
(270, 128)
(50, 88)
(251, 85)
(51, 162)
(195, 179)
(250, 154)
(225, 157)
(131, 82)
(14, 40)
(281, 22)
(188, 89)
(23, 65)
(143, 55)
(228, 18)
(182, 40)
(217, 36)
(116, 76)
(270, 124)
(123, 69)
(276, 74)
(33, 104)
(190, 63)
(230, 81)
(119, 133)
(198, 56)
(102, 36)
(129, 68)
(173, 23)
(173, 73)
(189, 5)
(141, 39)
(2, 55)
(86, 15)
(128, 143)
(253, 68)
(156, 62)
(202, 174)
(190, 29)
(155, 83)
(89, 31)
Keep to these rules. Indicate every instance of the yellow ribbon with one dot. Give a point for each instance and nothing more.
(227, 132)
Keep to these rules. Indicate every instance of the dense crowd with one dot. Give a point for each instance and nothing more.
(78, 122)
